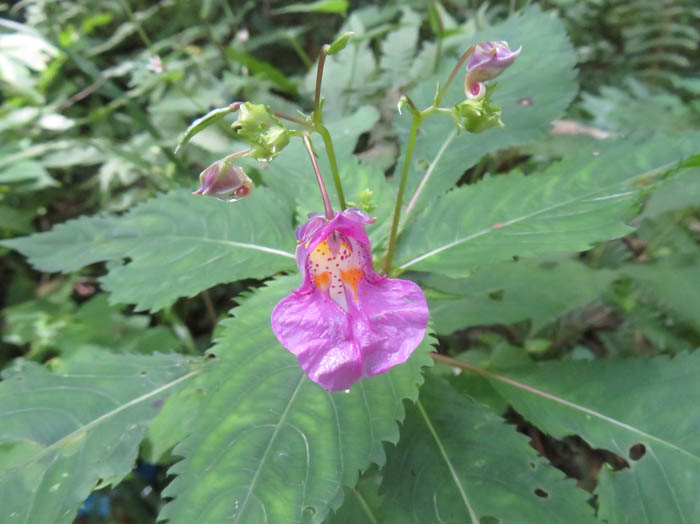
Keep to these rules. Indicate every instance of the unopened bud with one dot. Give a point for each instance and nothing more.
(477, 115)
(223, 179)
(488, 60)
(265, 133)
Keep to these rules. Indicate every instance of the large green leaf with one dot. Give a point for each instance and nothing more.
(177, 244)
(583, 199)
(535, 90)
(508, 292)
(272, 446)
(672, 282)
(66, 432)
(645, 411)
(458, 461)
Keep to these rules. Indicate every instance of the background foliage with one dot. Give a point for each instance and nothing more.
(140, 378)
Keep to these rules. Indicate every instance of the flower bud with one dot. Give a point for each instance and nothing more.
(488, 60)
(477, 114)
(265, 133)
(224, 180)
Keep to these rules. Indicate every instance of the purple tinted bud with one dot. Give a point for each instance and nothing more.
(488, 60)
(224, 179)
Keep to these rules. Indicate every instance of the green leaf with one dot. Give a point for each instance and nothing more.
(632, 408)
(671, 281)
(26, 175)
(270, 444)
(263, 69)
(56, 323)
(583, 199)
(320, 6)
(532, 92)
(64, 433)
(509, 292)
(178, 245)
(677, 193)
(399, 48)
(458, 461)
(202, 123)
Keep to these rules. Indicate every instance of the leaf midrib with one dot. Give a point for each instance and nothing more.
(270, 442)
(516, 220)
(453, 473)
(102, 418)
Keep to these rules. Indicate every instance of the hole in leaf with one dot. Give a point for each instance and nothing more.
(497, 295)
(526, 101)
(533, 466)
(637, 451)
(310, 509)
(488, 519)
(143, 373)
(541, 493)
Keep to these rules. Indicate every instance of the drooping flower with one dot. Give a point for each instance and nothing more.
(488, 60)
(346, 322)
(224, 179)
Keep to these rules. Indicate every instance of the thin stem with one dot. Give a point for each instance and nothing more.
(300, 51)
(209, 306)
(458, 66)
(319, 79)
(415, 124)
(139, 29)
(411, 104)
(291, 118)
(319, 178)
(238, 154)
(326, 136)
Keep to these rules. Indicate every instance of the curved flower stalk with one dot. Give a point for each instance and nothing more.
(488, 60)
(346, 322)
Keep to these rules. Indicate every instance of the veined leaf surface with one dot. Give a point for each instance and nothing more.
(511, 291)
(272, 446)
(62, 432)
(178, 245)
(585, 198)
(458, 461)
(642, 410)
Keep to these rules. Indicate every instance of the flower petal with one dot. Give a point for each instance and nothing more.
(397, 316)
(316, 330)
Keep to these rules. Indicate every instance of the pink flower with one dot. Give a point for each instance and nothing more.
(488, 60)
(346, 322)
(224, 179)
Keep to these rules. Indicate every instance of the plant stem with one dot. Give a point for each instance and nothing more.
(291, 118)
(330, 152)
(415, 124)
(238, 154)
(323, 130)
(319, 178)
(458, 66)
(319, 79)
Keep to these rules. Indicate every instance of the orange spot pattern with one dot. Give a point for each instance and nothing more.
(331, 272)
(352, 278)
(322, 280)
